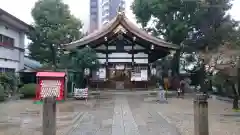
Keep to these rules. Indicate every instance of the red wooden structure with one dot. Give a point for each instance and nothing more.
(50, 84)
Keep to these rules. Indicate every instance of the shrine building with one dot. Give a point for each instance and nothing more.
(125, 53)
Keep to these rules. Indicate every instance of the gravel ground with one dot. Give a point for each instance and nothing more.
(179, 112)
(24, 118)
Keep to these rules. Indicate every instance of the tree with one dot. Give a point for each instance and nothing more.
(163, 66)
(225, 61)
(173, 20)
(79, 60)
(192, 23)
(9, 82)
(212, 26)
(54, 26)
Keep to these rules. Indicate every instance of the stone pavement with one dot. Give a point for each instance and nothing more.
(123, 121)
(97, 120)
(118, 114)
(123, 115)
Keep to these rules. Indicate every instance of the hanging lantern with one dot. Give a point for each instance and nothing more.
(86, 71)
(134, 38)
(152, 47)
(105, 39)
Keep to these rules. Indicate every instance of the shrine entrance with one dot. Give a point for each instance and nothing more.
(119, 78)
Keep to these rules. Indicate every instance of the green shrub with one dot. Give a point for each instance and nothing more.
(2, 95)
(28, 90)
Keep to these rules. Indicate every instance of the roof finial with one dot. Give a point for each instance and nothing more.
(121, 8)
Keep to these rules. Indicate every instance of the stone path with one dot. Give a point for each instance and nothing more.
(123, 121)
(123, 115)
(148, 119)
(97, 121)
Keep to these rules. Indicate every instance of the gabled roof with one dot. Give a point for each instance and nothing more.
(13, 21)
(122, 21)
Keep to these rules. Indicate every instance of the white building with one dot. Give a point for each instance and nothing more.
(12, 35)
(109, 9)
(103, 11)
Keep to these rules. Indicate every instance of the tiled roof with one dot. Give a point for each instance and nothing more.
(123, 21)
(31, 63)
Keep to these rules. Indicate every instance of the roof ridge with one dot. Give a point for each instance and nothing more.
(120, 19)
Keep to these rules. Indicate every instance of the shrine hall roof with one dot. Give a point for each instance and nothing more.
(121, 20)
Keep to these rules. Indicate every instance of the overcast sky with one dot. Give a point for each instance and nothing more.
(79, 8)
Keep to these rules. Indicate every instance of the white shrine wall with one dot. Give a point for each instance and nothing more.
(139, 58)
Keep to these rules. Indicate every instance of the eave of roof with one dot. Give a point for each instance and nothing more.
(27, 26)
(122, 20)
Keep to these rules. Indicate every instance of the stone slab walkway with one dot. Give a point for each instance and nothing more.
(148, 119)
(123, 121)
(124, 115)
(95, 121)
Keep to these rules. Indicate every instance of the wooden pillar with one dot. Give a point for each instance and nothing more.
(66, 85)
(237, 91)
(149, 74)
(106, 67)
(49, 116)
(132, 50)
(106, 53)
(200, 106)
(132, 64)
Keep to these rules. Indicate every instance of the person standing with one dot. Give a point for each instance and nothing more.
(182, 87)
(166, 83)
(166, 86)
(176, 85)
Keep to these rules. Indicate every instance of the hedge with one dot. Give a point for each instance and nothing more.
(28, 90)
(2, 94)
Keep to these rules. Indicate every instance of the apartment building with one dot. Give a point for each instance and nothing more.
(103, 11)
(12, 35)
(94, 15)
(110, 9)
